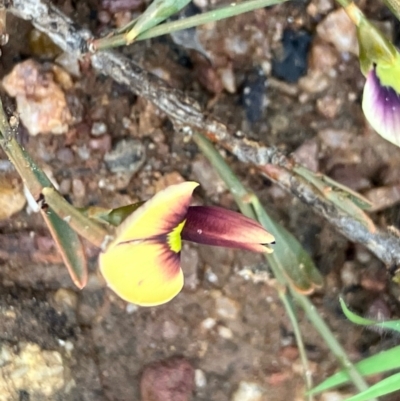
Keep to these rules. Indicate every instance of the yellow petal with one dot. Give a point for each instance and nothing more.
(145, 273)
(160, 215)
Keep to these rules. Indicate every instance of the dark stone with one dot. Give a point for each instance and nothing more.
(291, 62)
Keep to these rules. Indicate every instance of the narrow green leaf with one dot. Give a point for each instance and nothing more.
(385, 386)
(344, 198)
(388, 325)
(158, 11)
(379, 363)
(359, 200)
(289, 256)
(70, 247)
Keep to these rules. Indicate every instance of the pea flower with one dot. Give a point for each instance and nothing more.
(380, 63)
(142, 264)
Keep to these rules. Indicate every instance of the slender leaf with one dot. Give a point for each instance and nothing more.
(289, 256)
(385, 386)
(70, 247)
(388, 325)
(379, 363)
(158, 11)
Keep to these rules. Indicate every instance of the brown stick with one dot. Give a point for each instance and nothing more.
(187, 115)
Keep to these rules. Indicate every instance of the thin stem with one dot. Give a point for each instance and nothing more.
(239, 192)
(83, 225)
(38, 183)
(190, 22)
(331, 341)
(344, 3)
(33, 177)
(299, 339)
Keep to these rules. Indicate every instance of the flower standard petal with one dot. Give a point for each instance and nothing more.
(142, 264)
(381, 106)
(160, 215)
(143, 272)
(211, 225)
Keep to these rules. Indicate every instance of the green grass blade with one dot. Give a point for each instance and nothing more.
(388, 325)
(385, 386)
(186, 23)
(379, 363)
(157, 12)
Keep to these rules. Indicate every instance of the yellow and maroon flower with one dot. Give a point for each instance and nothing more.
(142, 264)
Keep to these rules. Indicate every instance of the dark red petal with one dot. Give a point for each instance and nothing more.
(211, 225)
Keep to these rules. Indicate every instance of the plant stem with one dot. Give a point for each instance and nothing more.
(344, 3)
(331, 341)
(239, 193)
(190, 22)
(37, 182)
(33, 177)
(83, 225)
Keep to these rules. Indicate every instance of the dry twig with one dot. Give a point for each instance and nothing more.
(186, 114)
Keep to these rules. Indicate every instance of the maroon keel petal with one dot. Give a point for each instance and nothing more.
(211, 225)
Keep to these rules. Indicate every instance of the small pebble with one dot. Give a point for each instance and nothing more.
(225, 332)
(374, 278)
(228, 79)
(98, 128)
(383, 197)
(65, 155)
(104, 17)
(128, 155)
(362, 255)
(338, 29)
(200, 378)
(314, 82)
(349, 274)
(308, 155)
(65, 186)
(378, 310)
(226, 308)
(114, 6)
(248, 391)
(12, 198)
(78, 188)
(170, 330)
(66, 299)
(279, 123)
(167, 180)
(334, 138)
(131, 308)
(208, 178)
(208, 323)
(190, 267)
(329, 106)
(323, 57)
(102, 143)
(41, 103)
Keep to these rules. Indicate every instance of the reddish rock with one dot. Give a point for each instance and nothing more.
(168, 380)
